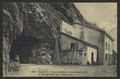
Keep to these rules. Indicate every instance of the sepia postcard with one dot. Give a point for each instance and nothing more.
(57, 39)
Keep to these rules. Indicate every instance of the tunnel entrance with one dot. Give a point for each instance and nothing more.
(32, 50)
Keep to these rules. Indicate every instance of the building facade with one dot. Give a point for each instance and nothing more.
(101, 53)
(108, 50)
(84, 53)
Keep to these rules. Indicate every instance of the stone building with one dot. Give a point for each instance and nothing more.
(92, 34)
(85, 51)
(102, 40)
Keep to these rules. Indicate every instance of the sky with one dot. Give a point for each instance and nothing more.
(103, 14)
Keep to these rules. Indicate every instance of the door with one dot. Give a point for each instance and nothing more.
(92, 58)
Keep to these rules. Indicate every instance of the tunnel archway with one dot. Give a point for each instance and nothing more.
(29, 49)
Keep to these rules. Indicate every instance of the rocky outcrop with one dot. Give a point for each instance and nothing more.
(40, 21)
(12, 29)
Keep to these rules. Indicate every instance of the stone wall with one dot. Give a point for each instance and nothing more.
(66, 40)
(67, 55)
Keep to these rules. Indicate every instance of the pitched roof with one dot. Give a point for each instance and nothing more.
(85, 43)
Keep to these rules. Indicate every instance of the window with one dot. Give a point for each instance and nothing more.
(82, 33)
(84, 54)
(111, 46)
(80, 53)
(74, 45)
(106, 45)
(106, 57)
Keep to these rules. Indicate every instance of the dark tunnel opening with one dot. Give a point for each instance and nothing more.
(32, 50)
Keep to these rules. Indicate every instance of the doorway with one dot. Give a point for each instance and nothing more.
(92, 58)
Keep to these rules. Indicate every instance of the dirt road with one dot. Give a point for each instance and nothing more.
(66, 70)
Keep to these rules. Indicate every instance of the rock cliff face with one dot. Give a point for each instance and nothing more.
(35, 23)
(12, 29)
